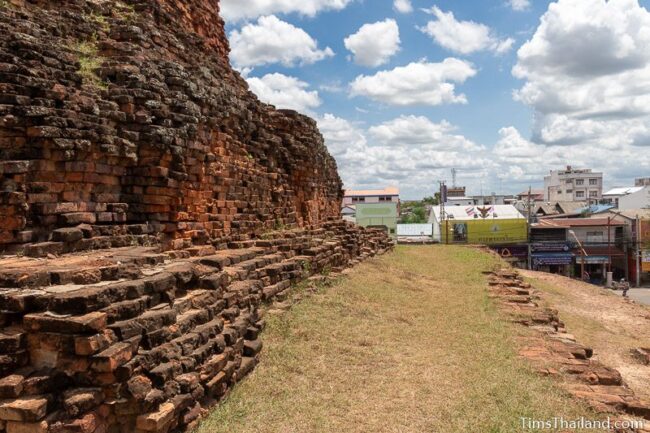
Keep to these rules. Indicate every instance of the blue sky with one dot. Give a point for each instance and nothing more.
(548, 84)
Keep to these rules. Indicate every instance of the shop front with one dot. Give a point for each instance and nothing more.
(595, 268)
(552, 262)
(516, 255)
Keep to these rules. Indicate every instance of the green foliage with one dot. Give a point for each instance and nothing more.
(89, 62)
(433, 201)
(414, 213)
(125, 11)
(100, 20)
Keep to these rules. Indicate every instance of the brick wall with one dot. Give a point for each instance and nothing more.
(115, 115)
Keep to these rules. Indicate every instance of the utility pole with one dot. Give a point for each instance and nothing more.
(529, 207)
(443, 199)
(637, 251)
(583, 254)
(609, 244)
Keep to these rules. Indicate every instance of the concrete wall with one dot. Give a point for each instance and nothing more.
(637, 200)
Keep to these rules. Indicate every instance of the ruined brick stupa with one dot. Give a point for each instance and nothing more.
(149, 204)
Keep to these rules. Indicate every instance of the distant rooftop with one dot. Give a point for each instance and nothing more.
(371, 192)
(576, 222)
(623, 190)
(499, 212)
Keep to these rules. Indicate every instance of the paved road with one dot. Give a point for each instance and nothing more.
(640, 295)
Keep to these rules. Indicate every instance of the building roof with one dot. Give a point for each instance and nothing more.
(623, 190)
(632, 213)
(371, 192)
(532, 192)
(561, 208)
(596, 208)
(466, 213)
(576, 222)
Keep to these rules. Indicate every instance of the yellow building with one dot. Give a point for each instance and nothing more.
(482, 225)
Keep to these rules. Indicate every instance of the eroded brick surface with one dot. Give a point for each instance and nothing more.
(122, 123)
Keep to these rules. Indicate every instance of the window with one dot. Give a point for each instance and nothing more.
(593, 194)
(386, 198)
(580, 181)
(580, 194)
(569, 181)
(569, 191)
(460, 232)
(595, 237)
(593, 181)
(358, 199)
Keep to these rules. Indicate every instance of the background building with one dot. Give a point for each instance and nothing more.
(642, 181)
(483, 225)
(382, 215)
(389, 194)
(636, 197)
(573, 185)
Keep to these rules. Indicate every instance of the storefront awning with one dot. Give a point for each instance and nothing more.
(552, 259)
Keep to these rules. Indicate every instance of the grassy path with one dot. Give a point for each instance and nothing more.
(409, 342)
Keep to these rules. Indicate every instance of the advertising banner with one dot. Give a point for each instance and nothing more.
(495, 232)
(645, 232)
(515, 251)
(552, 259)
(645, 261)
(550, 247)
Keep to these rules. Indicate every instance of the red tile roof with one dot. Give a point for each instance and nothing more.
(576, 222)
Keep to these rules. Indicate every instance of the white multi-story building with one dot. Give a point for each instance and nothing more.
(636, 197)
(573, 185)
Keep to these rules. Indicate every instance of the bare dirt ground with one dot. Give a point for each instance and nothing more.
(598, 317)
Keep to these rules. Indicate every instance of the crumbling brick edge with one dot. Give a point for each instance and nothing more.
(160, 338)
(553, 352)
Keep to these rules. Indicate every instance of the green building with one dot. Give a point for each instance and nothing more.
(378, 215)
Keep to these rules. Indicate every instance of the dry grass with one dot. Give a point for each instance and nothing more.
(408, 343)
(602, 320)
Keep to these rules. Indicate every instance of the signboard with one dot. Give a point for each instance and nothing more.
(592, 260)
(645, 261)
(516, 251)
(552, 259)
(645, 231)
(487, 232)
(414, 229)
(550, 247)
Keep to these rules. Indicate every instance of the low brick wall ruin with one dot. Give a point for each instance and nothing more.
(134, 340)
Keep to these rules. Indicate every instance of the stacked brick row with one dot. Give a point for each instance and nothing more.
(556, 353)
(147, 347)
(119, 114)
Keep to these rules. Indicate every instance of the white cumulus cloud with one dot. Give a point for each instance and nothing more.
(586, 73)
(285, 92)
(374, 44)
(419, 83)
(408, 151)
(464, 37)
(235, 10)
(272, 40)
(519, 5)
(403, 6)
